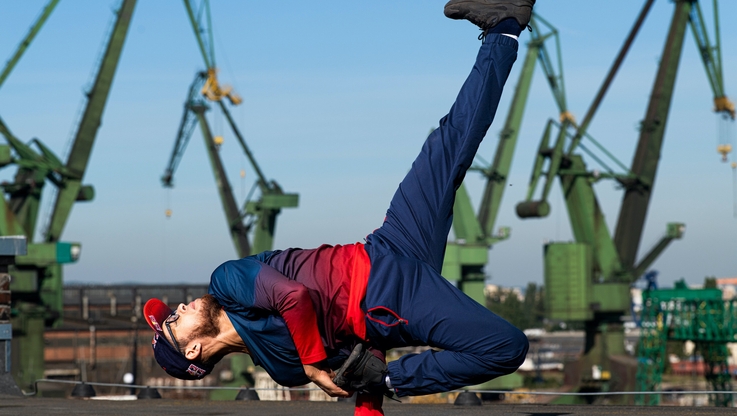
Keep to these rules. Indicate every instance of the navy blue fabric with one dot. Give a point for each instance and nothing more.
(408, 301)
(265, 334)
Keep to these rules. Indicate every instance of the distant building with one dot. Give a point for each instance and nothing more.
(493, 291)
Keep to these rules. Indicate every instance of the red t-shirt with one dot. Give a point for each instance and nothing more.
(335, 278)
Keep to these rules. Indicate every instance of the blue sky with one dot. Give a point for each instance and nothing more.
(338, 97)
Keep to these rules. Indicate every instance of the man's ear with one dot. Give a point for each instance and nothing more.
(193, 351)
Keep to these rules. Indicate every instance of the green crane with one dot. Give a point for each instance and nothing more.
(684, 314)
(37, 278)
(589, 280)
(35, 28)
(260, 213)
(258, 216)
(467, 254)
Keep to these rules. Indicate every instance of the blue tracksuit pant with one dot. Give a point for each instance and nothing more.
(408, 301)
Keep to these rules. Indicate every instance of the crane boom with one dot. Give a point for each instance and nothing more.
(711, 56)
(208, 58)
(272, 198)
(238, 231)
(647, 154)
(90, 123)
(184, 133)
(35, 28)
(581, 130)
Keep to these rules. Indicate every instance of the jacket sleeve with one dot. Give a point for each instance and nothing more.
(254, 287)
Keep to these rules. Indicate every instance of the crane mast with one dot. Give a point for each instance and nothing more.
(37, 284)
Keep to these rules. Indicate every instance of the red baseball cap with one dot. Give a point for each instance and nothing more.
(169, 358)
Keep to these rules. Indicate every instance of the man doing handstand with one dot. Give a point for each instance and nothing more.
(302, 314)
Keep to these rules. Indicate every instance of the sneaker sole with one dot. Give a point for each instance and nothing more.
(478, 11)
(352, 359)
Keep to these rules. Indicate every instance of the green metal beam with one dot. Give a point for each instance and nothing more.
(684, 314)
(184, 132)
(238, 231)
(610, 76)
(647, 155)
(45, 13)
(587, 220)
(465, 225)
(90, 123)
(674, 231)
(711, 56)
(209, 63)
(25, 191)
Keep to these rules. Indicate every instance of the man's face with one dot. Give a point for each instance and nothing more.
(198, 319)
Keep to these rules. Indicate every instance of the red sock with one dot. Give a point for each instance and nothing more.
(368, 405)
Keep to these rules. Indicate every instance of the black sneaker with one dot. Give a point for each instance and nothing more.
(488, 13)
(362, 372)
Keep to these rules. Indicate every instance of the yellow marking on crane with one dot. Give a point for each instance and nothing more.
(213, 91)
(724, 105)
(724, 150)
(567, 116)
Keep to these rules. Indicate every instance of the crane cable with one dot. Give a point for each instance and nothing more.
(725, 145)
(168, 210)
(734, 189)
(725, 117)
(165, 234)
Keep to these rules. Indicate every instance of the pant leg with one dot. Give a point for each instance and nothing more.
(421, 212)
(409, 303)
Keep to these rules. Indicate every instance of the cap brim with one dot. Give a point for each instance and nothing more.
(156, 312)
(169, 358)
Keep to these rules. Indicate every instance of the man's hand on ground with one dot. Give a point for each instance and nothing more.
(322, 375)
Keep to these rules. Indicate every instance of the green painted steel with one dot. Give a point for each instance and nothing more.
(91, 119)
(258, 215)
(587, 220)
(207, 57)
(238, 231)
(613, 266)
(683, 314)
(568, 281)
(716, 357)
(711, 56)
(594, 107)
(37, 277)
(636, 200)
(35, 28)
(184, 133)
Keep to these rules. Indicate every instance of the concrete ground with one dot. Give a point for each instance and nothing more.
(12, 405)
